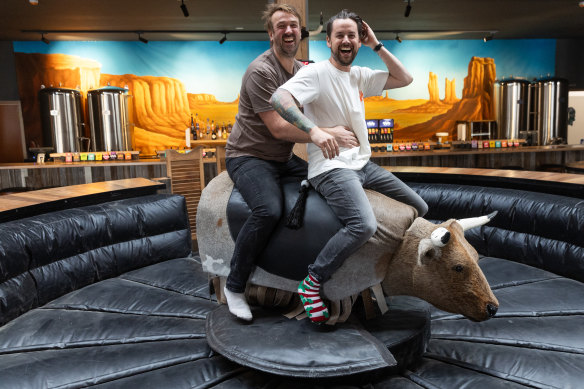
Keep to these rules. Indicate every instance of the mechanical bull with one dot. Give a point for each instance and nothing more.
(407, 255)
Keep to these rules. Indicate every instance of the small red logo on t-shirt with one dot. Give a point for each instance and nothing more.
(361, 95)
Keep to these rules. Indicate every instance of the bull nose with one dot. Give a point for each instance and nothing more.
(492, 310)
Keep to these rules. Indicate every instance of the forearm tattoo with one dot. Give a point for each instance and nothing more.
(284, 104)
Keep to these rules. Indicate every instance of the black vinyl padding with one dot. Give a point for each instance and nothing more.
(44, 257)
(538, 229)
(138, 319)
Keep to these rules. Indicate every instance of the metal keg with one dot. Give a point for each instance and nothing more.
(511, 107)
(552, 110)
(62, 120)
(108, 118)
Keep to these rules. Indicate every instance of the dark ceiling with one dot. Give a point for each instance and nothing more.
(208, 20)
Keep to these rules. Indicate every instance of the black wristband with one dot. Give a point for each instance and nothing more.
(378, 47)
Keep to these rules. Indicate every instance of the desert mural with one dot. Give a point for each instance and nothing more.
(169, 81)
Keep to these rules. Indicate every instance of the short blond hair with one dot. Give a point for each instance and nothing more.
(271, 9)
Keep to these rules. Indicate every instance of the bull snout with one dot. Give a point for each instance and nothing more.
(492, 310)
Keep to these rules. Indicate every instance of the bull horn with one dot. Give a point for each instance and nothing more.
(473, 222)
(440, 236)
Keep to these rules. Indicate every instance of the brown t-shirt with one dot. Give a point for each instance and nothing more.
(250, 136)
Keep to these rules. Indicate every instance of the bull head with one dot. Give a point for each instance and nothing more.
(437, 264)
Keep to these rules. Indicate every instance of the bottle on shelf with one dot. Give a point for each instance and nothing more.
(208, 129)
(193, 129)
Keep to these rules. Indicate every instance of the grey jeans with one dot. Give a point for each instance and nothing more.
(343, 191)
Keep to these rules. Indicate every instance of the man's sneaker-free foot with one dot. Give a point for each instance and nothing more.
(309, 291)
(237, 305)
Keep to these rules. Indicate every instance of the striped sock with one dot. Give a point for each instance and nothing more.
(313, 305)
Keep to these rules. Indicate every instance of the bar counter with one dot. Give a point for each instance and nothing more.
(520, 158)
(32, 176)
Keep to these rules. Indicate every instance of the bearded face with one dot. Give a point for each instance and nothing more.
(285, 36)
(344, 42)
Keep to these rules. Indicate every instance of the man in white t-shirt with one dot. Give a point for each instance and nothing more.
(332, 93)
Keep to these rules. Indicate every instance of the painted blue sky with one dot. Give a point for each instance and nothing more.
(207, 67)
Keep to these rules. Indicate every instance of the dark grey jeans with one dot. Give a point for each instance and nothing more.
(258, 181)
(343, 191)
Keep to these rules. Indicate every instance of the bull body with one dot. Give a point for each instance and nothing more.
(407, 255)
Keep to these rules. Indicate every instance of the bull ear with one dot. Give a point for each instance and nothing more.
(473, 222)
(427, 251)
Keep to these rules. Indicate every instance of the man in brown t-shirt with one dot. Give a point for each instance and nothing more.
(259, 149)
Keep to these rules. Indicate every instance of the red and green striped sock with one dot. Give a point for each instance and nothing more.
(309, 291)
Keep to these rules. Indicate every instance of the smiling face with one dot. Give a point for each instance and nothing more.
(344, 43)
(285, 35)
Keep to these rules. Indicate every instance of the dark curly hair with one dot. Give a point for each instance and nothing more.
(344, 14)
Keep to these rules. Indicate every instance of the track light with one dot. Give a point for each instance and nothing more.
(44, 40)
(408, 9)
(222, 40)
(184, 9)
(397, 38)
(142, 39)
(488, 38)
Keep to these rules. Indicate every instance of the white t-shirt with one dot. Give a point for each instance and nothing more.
(332, 97)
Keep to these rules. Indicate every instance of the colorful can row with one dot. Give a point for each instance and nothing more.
(415, 146)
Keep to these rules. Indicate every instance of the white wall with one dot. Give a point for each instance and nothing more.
(576, 130)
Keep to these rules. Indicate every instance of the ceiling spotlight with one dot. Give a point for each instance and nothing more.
(488, 38)
(397, 38)
(408, 9)
(184, 9)
(34, 2)
(44, 40)
(222, 40)
(142, 39)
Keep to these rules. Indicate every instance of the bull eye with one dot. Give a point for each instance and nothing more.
(458, 268)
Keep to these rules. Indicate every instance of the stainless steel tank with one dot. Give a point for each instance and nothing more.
(108, 118)
(62, 120)
(552, 110)
(511, 107)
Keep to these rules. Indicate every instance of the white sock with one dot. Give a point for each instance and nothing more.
(237, 304)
